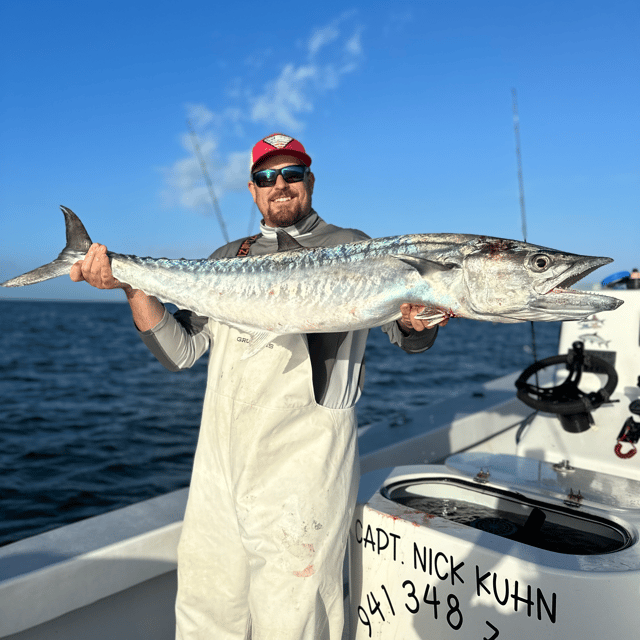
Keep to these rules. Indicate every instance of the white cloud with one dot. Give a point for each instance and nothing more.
(353, 46)
(199, 115)
(321, 37)
(285, 97)
(297, 88)
(280, 104)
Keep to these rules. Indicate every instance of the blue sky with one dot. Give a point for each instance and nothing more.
(405, 108)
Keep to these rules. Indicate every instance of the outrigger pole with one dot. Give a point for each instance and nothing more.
(523, 212)
(205, 173)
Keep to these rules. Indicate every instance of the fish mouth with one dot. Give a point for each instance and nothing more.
(576, 273)
(556, 298)
(561, 282)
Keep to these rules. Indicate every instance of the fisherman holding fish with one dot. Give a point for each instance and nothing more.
(275, 474)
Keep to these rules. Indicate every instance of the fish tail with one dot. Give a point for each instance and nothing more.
(78, 243)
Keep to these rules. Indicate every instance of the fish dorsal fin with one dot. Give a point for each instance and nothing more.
(287, 242)
(425, 267)
(77, 237)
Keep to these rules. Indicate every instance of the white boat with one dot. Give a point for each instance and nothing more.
(485, 521)
(528, 528)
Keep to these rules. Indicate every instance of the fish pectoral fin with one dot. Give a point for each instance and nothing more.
(259, 340)
(433, 316)
(286, 242)
(423, 266)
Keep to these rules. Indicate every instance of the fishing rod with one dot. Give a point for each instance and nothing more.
(205, 173)
(523, 212)
(516, 130)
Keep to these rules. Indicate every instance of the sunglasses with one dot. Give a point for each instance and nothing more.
(290, 174)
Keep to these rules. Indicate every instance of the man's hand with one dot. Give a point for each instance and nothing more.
(96, 270)
(409, 320)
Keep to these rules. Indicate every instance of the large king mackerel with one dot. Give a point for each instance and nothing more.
(358, 285)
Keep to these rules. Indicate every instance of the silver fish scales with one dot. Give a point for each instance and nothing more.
(357, 285)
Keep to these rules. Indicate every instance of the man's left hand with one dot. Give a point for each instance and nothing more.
(409, 320)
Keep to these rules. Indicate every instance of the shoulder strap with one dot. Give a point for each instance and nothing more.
(246, 245)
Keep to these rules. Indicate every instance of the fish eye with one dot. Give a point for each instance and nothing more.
(539, 262)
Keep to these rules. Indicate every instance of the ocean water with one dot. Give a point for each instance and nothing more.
(91, 422)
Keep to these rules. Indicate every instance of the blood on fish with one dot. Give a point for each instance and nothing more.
(496, 246)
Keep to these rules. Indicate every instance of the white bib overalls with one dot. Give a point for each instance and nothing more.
(272, 495)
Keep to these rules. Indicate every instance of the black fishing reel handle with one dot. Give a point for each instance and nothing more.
(553, 401)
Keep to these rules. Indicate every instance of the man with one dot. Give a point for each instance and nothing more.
(275, 473)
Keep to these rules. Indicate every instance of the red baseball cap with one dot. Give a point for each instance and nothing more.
(278, 144)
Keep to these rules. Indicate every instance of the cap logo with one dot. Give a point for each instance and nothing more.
(279, 141)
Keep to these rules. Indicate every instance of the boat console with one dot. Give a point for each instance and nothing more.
(531, 534)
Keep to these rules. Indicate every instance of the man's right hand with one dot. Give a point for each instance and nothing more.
(96, 270)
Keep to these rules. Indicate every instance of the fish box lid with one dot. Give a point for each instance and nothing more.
(548, 480)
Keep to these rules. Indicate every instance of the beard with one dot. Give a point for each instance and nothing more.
(287, 213)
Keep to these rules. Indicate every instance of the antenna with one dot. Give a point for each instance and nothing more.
(205, 173)
(523, 213)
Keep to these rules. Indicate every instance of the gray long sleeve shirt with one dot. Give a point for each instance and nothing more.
(337, 359)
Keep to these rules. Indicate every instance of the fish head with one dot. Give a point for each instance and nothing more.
(517, 281)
